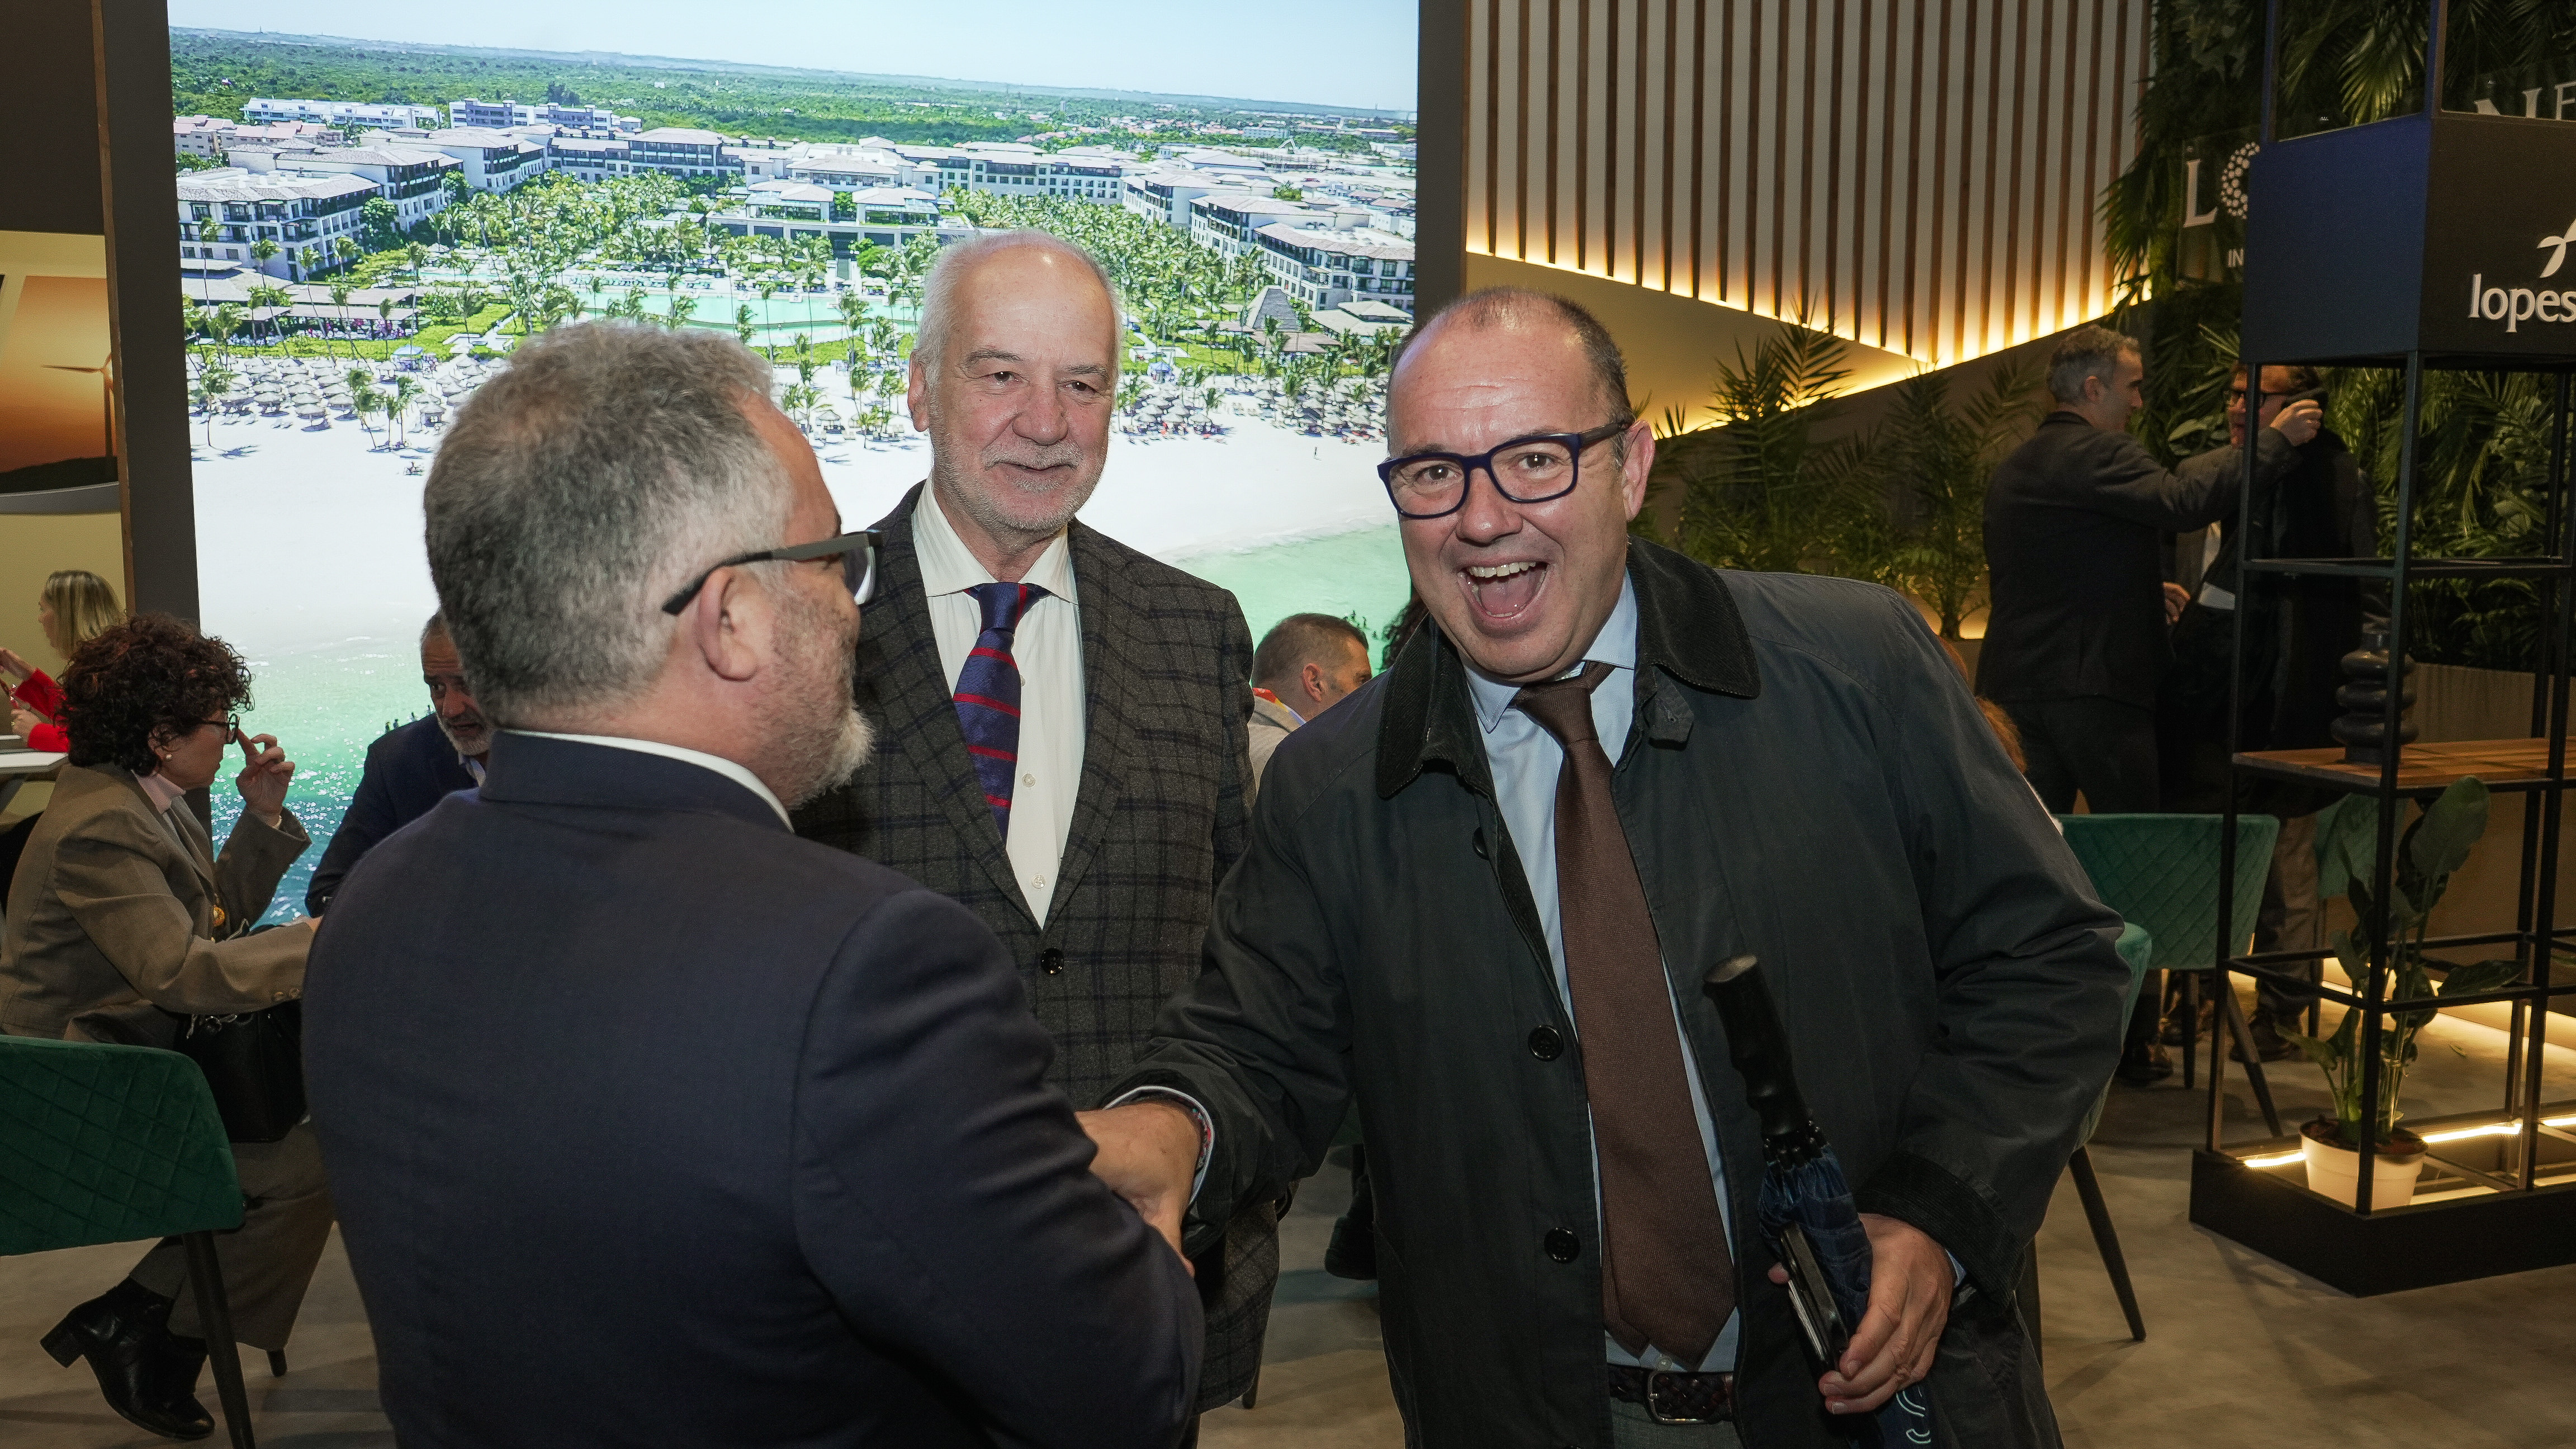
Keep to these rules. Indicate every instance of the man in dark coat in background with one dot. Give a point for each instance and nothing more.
(2075, 637)
(410, 767)
(1483, 892)
(2076, 646)
(2297, 630)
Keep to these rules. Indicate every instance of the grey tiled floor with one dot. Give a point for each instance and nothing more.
(2241, 1353)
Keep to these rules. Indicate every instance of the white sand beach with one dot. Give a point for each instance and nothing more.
(307, 536)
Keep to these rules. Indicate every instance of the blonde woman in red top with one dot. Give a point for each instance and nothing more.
(74, 608)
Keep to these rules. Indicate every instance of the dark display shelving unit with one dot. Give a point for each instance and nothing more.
(2379, 245)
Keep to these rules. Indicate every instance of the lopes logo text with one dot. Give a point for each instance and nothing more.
(2517, 305)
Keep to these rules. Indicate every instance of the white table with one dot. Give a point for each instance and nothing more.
(17, 767)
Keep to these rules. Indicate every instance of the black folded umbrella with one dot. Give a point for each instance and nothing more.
(1805, 1205)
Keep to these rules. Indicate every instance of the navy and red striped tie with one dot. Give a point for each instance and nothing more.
(988, 695)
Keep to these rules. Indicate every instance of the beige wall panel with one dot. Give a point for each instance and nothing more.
(1672, 344)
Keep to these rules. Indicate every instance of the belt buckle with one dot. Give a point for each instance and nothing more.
(1655, 1410)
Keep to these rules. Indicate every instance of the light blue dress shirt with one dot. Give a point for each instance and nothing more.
(1525, 761)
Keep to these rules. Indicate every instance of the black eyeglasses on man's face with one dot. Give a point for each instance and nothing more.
(1531, 469)
(856, 551)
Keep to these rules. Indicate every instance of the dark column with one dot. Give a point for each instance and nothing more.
(1440, 157)
(131, 40)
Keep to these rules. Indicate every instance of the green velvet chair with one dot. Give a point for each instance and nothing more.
(107, 1144)
(2161, 871)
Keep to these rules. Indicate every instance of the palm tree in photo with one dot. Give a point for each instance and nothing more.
(365, 402)
(768, 288)
(214, 383)
(274, 298)
(405, 393)
(682, 309)
(226, 321)
(209, 232)
(853, 306)
(340, 290)
(742, 327)
(262, 252)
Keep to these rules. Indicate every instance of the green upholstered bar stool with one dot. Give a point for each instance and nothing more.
(2161, 871)
(107, 1144)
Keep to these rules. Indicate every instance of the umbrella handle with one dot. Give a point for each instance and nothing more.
(1760, 1051)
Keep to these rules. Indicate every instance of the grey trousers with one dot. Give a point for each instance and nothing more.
(267, 1261)
(1631, 1427)
(2292, 917)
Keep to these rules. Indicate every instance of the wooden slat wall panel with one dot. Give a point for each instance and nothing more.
(1916, 175)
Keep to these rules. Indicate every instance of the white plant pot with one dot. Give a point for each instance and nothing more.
(2335, 1171)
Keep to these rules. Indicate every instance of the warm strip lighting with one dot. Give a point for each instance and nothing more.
(2492, 1129)
(1849, 332)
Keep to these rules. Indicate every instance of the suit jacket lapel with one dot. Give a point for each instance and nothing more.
(201, 849)
(1109, 643)
(903, 686)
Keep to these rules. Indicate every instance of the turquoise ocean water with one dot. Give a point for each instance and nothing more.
(327, 703)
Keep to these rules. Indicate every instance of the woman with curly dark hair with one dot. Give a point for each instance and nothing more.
(123, 921)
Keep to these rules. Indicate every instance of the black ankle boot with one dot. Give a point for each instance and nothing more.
(125, 1335)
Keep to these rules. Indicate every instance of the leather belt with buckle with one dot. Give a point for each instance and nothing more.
(1675, 1398)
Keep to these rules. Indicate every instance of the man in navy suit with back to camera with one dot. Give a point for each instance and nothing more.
(410, 767)
(693, 1132)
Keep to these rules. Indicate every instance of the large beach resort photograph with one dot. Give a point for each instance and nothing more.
(369, 229)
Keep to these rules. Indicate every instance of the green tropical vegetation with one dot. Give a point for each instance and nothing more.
(2344, 62)
(1899, 503)
(2434, 845)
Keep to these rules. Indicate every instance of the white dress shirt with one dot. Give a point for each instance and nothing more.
(1048, 649)
(718, 763)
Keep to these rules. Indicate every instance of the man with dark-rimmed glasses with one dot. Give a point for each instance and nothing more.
(1482, 894)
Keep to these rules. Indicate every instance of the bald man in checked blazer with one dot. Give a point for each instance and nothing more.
(1062, 720)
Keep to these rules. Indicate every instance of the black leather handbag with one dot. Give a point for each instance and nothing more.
(254, 1062)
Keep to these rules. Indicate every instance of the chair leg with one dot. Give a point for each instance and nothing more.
(1252, 1394)
(2244, 1036)
(277, 1363)
(2107, 1239)
(2191, 1033)
(206, 1280)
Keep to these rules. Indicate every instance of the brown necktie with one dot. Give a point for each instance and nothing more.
(1666, 1276)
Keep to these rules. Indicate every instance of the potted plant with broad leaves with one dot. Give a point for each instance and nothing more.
(2434, 845)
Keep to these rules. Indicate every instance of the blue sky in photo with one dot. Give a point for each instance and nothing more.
(1323, 52)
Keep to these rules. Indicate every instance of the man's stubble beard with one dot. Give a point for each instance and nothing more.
(481, 747)
(825, 738)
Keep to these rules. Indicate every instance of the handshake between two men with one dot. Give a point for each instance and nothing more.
(1462, 900)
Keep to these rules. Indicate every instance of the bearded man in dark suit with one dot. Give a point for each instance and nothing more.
(1065, 718)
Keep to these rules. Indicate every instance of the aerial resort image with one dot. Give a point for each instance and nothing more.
(369, 228)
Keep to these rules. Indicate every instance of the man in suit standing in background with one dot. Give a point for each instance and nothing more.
(2075, 640)
(1064, 716)
(688, 1131)
(410, 767)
